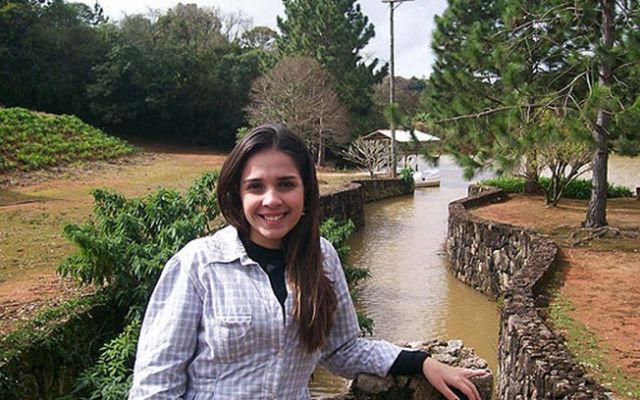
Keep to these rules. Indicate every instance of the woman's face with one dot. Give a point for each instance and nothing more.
(272, 194)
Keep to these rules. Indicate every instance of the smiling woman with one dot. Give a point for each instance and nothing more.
(250, 311)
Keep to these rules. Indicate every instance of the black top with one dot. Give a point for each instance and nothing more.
(272, 262)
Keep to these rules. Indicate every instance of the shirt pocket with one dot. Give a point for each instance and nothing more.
(234, 337)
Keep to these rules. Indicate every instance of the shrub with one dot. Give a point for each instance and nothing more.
(125, 247)
(579, 189)
(509, 184)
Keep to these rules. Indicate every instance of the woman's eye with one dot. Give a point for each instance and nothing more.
(254, 186)
(287, 184)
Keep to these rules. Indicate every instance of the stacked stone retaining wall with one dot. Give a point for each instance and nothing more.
(347, 202)
(505, 261)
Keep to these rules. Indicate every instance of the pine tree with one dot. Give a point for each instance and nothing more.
(513, 77)
(334, 32)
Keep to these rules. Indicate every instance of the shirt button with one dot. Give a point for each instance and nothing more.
(272, 396)
(280, 354)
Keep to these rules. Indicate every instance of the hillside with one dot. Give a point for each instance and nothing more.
(31, 140)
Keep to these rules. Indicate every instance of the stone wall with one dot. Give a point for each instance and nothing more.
(378, 189)
(416, 387)
(347, 202)
(509, 262)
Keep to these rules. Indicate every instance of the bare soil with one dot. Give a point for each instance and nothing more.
(602, 276)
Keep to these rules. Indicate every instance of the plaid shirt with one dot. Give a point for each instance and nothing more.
(214, 329)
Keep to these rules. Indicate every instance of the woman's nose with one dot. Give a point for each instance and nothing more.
(271, 198)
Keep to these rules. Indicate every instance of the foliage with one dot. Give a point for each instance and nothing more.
(298, 93)
(407, 97)
(334, 32)
(406, 174)
(112, 376)
(47, 50)
(504, 68)
(30, 140)
(59, 332)
(370, 154)
(125, 247)
(579, 189)
(128, 241)
(182, 75)
(337, 234)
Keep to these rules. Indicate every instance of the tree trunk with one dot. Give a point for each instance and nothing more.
(597, 210)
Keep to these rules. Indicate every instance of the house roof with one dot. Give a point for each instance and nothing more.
(401, 136)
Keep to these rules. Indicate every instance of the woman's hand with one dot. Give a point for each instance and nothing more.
(443, 376)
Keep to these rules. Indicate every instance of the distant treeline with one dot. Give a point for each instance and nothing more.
(184, 75)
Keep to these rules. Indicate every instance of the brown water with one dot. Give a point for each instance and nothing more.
(411, 294)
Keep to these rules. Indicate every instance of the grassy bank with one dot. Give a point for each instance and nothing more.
(31, 140)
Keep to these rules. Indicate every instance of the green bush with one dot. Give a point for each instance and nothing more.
(509, 184)
(406, 174)
(579, 189)
(31, 140)
(124, 247)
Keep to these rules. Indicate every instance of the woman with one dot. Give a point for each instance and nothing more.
(249, 312)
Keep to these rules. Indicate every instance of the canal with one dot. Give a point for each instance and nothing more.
(412, 295)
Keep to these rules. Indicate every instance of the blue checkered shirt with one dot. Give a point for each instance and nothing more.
(214, 329)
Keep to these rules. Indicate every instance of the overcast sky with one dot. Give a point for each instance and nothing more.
(413, 24)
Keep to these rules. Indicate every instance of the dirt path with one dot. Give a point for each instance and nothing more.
(36, 207)
(601, 280)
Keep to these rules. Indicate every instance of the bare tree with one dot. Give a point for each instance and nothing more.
(298, 93)
(370, 154)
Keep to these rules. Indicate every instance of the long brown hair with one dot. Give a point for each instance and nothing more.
(315, 301)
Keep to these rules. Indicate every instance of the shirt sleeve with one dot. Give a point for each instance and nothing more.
(409, 363)
(168, 336)
(345, 352)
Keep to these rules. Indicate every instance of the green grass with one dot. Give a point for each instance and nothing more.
(31, 141)
(589, 351)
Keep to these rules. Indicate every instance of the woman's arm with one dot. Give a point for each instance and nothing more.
(345, 353)
(168, 336)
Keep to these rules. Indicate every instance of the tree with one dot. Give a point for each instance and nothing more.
(259, 37)
(407, 98)
(517, 62)
(370, 154)
(333, 32)
(180, 75)
(47, 50)
(298, 93)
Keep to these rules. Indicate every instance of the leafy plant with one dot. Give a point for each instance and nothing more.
(406, 174)
(125, 247)
(30, 140)
(579, 189)
(337, 233)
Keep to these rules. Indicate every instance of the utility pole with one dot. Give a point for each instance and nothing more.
(392, 122)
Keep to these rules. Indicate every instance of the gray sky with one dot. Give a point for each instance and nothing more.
(413, 24)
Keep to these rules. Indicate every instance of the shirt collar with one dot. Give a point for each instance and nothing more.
(227, 247)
